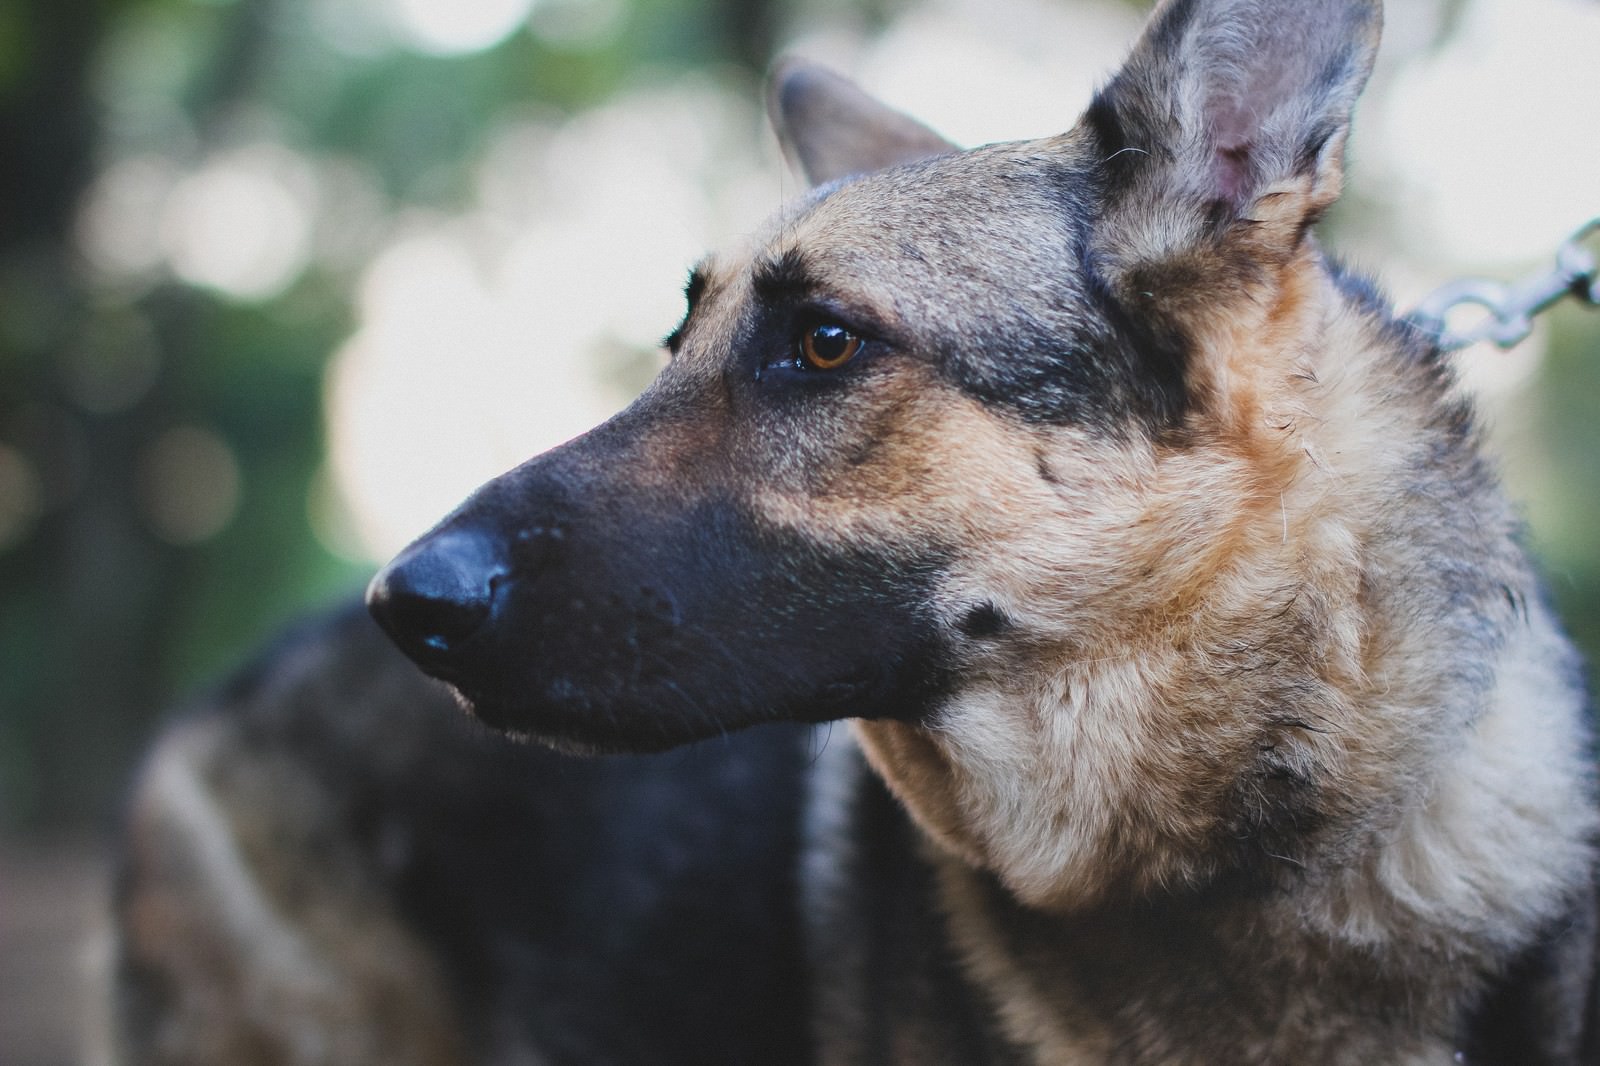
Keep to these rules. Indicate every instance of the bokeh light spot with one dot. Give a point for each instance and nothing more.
(241, 224)
(457, 27)
(1486, 135)
(189, 485)
(21, 498)
(119, 227)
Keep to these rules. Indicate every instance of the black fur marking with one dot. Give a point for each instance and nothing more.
(784, 277)
(1119, 160)
(1128, 117)
(1152, 350)
(984, 620)
(1046, 474)
(693, 289)
(1099, 365)
(1533, 1013)
(1117, 373)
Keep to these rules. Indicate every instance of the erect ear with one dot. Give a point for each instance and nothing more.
(830, 128)
(1233, 111)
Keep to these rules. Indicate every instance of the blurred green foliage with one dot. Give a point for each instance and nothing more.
(102, 620)
(1565, 408)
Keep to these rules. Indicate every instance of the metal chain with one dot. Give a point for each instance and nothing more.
(1511, 307)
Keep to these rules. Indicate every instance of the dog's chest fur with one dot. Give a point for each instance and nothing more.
(920, 959)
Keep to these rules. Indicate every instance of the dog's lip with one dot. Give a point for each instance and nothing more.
(508, 723)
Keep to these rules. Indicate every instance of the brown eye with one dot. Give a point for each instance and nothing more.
(828, 347)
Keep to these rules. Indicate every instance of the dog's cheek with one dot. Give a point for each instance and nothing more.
(1071, 757)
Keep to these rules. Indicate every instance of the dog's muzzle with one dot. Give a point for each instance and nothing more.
(438, 594)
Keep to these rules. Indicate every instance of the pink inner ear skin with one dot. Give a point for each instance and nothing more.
(1232, 130)
(1230, 176)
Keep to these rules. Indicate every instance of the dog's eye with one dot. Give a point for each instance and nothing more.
(828, 347)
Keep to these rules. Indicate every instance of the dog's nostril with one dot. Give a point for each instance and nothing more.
(441, 624)
(437, 594)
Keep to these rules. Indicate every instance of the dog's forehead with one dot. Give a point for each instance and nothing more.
(991, 209)
(945, 208)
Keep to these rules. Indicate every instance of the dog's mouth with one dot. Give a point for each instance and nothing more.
(565, 713)
(635, 696)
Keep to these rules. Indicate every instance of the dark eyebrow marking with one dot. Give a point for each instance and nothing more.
(693, 289)
(790, 279)
(785, 274)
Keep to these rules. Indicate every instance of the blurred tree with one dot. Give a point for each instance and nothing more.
(132, 409)
(45, 116)
(92, 377)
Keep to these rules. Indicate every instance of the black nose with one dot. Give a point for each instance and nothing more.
(437, 593)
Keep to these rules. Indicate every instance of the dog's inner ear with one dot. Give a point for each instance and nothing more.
(831, 129)
(1226, 102)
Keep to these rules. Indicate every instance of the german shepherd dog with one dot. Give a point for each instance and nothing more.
(1204, 707)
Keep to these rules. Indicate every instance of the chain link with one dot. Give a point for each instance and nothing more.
(1510, 308)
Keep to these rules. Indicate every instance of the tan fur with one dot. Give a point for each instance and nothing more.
(1171, 594)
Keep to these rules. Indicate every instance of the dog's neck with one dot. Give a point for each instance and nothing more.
(1329, 721)
(1379, 947)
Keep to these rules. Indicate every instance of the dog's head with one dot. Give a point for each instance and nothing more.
(974, 446)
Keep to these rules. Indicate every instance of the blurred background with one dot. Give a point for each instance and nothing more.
(282, 280)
